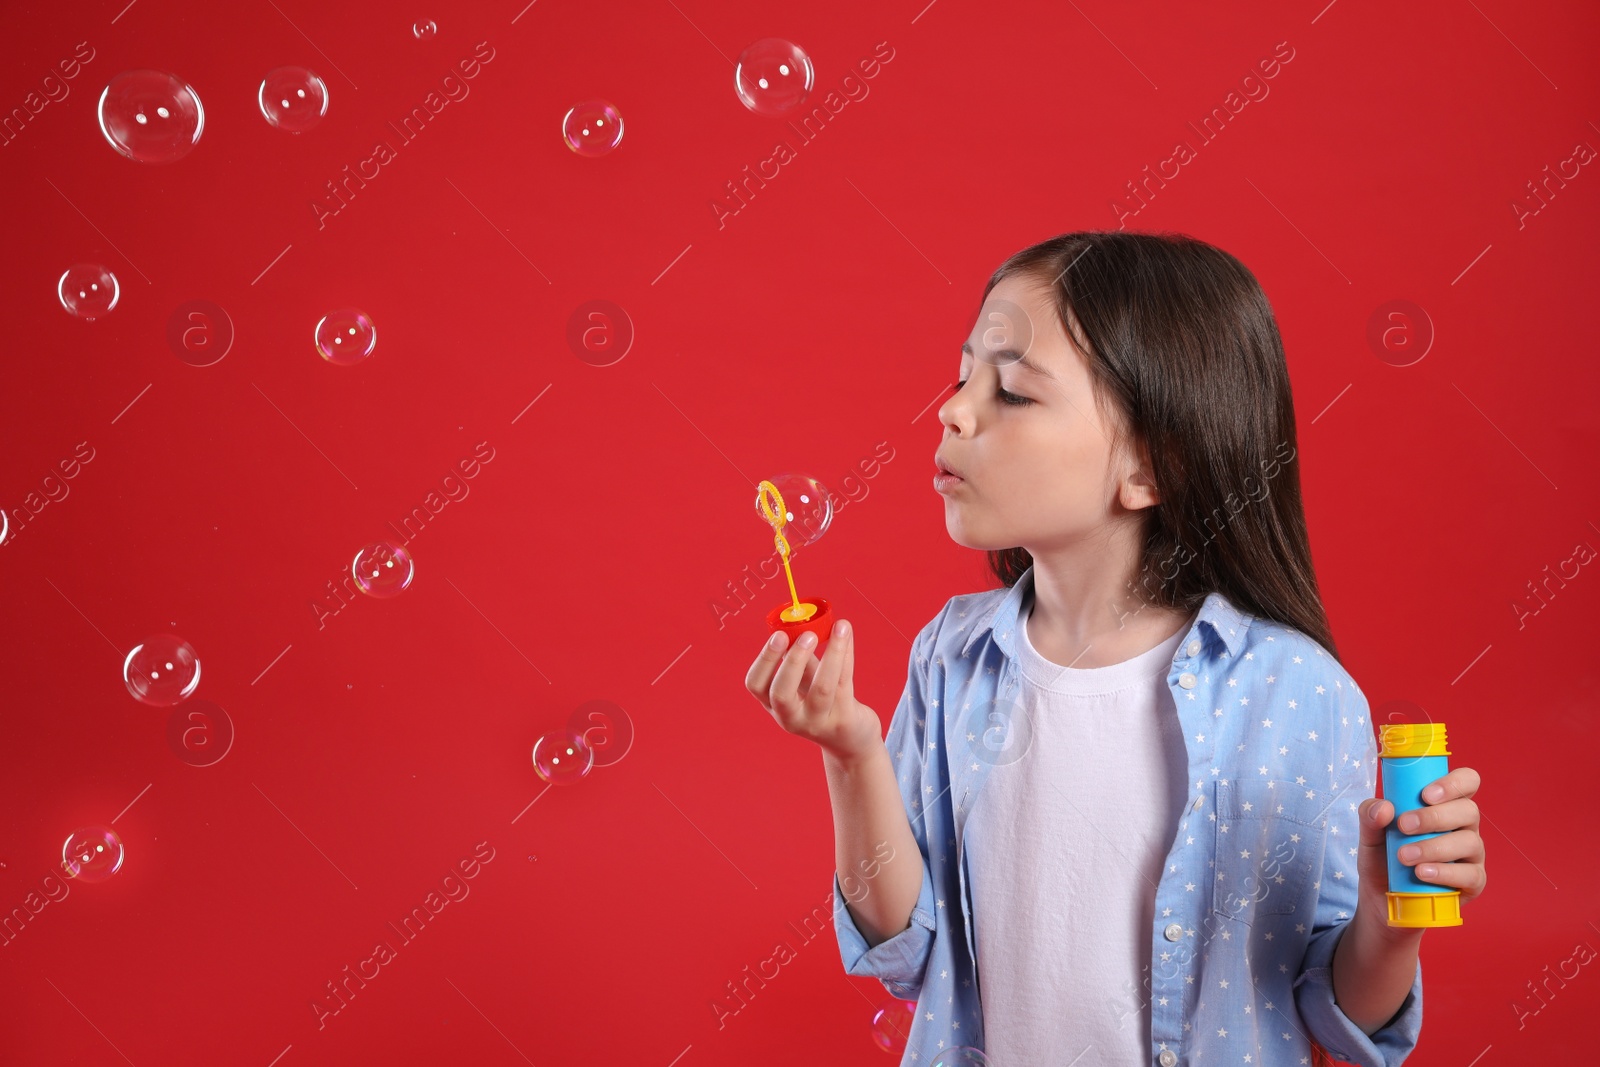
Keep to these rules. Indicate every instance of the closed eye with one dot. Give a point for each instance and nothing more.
(1005, 398)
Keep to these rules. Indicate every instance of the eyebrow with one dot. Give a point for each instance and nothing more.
(1017, 358)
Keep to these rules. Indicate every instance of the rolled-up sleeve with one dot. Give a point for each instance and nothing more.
(901, 961)
(1356, 763)
(1344, 1040)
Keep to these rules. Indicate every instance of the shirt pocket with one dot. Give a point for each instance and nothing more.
(1269, 838)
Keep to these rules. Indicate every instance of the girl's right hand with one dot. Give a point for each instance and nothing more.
(816, 698)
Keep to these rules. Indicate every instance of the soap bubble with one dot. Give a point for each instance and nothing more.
(293, 98)
(383, 569)
(88, 290)
(92, 854)
(891, 1024)
(162, 670)
(960, 1056)
(151, 116)
(346, 336)
(561, 757)
(807, 508)
(592, 128)
(424, 30)
(773, 77)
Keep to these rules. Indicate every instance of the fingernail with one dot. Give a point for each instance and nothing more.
(1408, 822)
(1433, 792)
(807, 640)
(1427, 870)
(841, 629)
(777, 641)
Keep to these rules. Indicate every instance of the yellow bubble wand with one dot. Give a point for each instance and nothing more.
(796, 611)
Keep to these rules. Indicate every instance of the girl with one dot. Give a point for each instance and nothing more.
(1129, 793)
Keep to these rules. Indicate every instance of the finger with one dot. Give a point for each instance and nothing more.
(847, 674)
(809, 675)
(1461, 782)
(1447, 815)
(786, 683)
(1464, 876)
(1375, 815)
(826, 683)
(1456, 845)
(759, 678)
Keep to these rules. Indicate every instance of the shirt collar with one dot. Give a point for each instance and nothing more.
(1217, 615)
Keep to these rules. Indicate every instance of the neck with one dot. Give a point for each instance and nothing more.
(1086, 612)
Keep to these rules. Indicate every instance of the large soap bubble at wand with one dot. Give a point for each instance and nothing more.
(816, 511)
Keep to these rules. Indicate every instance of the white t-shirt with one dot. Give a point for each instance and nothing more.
(1064, 850)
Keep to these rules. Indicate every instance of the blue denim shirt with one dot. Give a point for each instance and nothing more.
(1260, 881)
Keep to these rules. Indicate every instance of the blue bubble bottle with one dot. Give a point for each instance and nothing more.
(1413, 755)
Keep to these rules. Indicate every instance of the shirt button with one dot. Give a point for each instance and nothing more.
(1167, 1057)
(1173, 931)
(1194, 648)
(1186, 680)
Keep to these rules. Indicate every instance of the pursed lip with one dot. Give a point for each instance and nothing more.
(944, 466)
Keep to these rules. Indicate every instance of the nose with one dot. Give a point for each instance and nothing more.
(953, 413)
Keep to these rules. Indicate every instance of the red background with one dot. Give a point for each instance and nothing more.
(375, 751)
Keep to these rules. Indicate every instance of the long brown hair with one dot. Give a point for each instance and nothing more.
(1181, 341)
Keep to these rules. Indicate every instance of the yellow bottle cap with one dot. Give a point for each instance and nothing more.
(1412, 739)
(1425, 909)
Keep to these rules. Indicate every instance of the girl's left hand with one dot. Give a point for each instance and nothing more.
(1453, 859)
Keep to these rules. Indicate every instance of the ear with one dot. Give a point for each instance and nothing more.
(1139, 488)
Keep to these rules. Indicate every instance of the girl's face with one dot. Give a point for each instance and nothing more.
(1023, 432)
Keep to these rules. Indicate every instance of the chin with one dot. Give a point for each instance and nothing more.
(966, 538)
